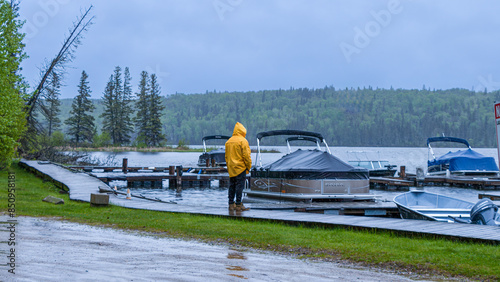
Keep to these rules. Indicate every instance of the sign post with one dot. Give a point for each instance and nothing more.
(497, 125)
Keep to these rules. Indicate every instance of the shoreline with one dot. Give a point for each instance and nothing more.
(183, 149)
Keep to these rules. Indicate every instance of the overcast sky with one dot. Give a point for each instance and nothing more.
(246, 45)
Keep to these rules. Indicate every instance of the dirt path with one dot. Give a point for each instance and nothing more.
(51, 250)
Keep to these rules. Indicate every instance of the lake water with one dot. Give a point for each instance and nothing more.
(411, 158)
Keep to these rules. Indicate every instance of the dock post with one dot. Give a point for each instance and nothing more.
(207, 162)
(171, 172)
(402, 171)
(420, 178)
(178, 177)
(125, 165)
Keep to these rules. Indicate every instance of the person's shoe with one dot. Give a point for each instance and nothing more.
(232, 207)
(241, 207)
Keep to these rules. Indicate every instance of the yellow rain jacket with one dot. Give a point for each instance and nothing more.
(238, 157)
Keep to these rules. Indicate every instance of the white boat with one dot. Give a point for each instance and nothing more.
(376, 166)
(311, 174)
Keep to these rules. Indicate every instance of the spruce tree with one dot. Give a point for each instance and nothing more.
(117, 98)
(109, 123)
(50, 105)
(142, 105)
(149, 109)
(156, 108)
(125, 109)
(81, 123)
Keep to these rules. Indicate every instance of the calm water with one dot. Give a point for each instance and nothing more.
(411, 158)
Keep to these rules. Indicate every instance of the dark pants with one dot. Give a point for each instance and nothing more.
(236, 185)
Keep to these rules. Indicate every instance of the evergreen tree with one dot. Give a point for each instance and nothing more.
(51, 103)
(156, 108)
(117, 98)
(12, 115)
(81, 122)
(125, 110)
(109, 123)
(142, 105)
(149, 108)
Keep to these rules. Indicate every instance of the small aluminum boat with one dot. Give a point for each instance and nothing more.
(419, 204)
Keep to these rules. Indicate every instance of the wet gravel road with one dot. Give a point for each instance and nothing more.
(51, 250)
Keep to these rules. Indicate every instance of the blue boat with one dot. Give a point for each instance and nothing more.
(460, 162)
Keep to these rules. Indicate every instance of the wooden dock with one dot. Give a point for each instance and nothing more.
(82, 185)
(179, 176)
(390, 183)
(461, 182)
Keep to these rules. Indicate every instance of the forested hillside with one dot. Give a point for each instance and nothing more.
(348, 117)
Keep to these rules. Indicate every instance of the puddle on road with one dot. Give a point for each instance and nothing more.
(241, 258)
(48, 250)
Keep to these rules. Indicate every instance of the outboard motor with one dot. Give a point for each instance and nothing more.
(485, 212)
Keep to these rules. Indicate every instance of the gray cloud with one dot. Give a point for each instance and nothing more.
(272, 44)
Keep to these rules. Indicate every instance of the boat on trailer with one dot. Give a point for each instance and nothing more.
(216, 157)
(461, 162)
(307, 174)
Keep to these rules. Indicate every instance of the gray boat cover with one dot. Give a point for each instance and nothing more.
(310, 164)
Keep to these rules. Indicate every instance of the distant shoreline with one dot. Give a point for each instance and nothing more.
(186, 149)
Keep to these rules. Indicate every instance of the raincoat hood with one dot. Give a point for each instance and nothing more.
(239, 130)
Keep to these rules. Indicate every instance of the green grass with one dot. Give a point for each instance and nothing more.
(426, 256)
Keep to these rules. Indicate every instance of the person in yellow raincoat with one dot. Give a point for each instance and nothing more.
(238, 163)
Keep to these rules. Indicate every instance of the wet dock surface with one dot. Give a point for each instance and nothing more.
(82, 185)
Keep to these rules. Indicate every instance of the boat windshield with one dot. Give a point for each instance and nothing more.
(363, 164)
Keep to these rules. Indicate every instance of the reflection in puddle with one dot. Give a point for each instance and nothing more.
(240, 256)
(236, 268)
(236, 255)
(238, 276)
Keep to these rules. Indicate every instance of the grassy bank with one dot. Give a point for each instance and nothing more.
(385, 250)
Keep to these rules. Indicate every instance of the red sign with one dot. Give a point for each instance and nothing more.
(497, 111)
